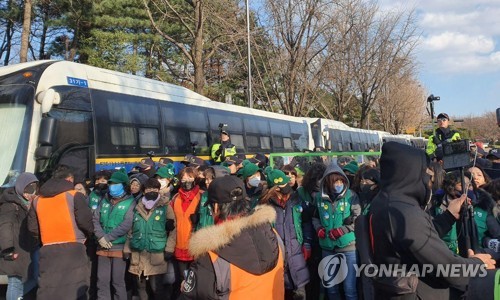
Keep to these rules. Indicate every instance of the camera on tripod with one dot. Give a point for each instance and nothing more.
(223, 127)
(456, 154)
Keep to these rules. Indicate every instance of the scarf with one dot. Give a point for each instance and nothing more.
(188, 196)
(148, 204)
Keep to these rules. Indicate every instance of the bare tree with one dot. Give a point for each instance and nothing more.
(401, 104)
(296, 29)
(25, 35)
(383, 47)
(206, 26)
(482, 127)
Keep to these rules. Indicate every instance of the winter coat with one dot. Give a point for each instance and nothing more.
(14, 234)
(250, 235)
(144, 262)
(296, 272)
(64, 268)
(348, 216)
(402, 232)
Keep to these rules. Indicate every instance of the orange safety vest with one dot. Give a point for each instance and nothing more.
(56, 219)
(184, 226)
(238, 284)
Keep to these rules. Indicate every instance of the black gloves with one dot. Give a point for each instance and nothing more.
(167, 256)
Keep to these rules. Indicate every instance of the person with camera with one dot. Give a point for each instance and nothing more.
(402, 234)
(241, 256)
(17, 245)
(442, 135)
(224, 148)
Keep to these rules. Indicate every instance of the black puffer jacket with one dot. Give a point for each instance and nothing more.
(14, 233)
(403, 233)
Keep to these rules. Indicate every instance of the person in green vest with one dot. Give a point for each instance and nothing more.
(204, 215)
(94, 200)
(165, 176)
(112, 220)
(310, 247)
(223, 149)
(149, 246)
(334, 219)
(442, 135)
(100, 189)
(493, 218)
(254, 180)
(288, 225)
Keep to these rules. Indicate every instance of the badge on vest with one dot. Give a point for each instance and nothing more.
(157, 218)
(189, 282)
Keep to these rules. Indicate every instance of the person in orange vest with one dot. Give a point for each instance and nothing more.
(241, 256)
(62, 220)
(186, 204)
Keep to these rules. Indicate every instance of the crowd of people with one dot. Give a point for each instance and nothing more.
(239, 229)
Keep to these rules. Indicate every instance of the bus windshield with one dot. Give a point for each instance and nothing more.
(15, 115)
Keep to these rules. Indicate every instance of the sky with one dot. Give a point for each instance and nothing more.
(458, 53)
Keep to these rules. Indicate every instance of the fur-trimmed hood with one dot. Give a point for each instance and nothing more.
(248, 242)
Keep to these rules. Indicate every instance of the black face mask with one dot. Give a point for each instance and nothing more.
(187, 186)
(367, 194)
(287, 189)
(101, 188)
(151, 195)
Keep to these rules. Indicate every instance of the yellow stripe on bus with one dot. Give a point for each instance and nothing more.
(115, 160)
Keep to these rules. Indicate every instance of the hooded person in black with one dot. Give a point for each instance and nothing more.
(402, 233)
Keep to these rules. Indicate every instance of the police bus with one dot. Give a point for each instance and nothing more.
(90, 118)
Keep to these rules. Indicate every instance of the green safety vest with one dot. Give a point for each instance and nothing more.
(304, 195)
(227, 152)
(480, 216)
(112, 216)
(450, 239)
(205, 213)
(332, 216)
(150, 234)
(94, 201)
(297, 222)
(431, 146)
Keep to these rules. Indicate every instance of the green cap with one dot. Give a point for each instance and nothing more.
(248, 169)
(276, 177)
(119, 176)
(168, 171)
(351, 167)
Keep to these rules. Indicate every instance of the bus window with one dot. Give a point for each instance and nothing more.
(184, 116)
(253, 141)
(132, 111)
(265, 142)
(237, 140)
(201, 141)
(256, 125)
(123, 136)
(148, 138)
(287, 143)
(177, 141)
(232, 120)
(278, 142)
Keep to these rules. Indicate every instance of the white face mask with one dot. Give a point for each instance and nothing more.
(254, 181)
(163, 183)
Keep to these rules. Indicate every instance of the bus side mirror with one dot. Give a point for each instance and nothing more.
(43, 152)
(47, 131)
(47, 99)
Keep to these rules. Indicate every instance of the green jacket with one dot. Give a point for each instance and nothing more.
(149, 234)
(480, 216)
(332, 215)
(206, 217)
(94, 200)
(112, 216)
(451, 238)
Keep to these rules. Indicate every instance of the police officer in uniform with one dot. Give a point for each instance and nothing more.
(442, 134)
